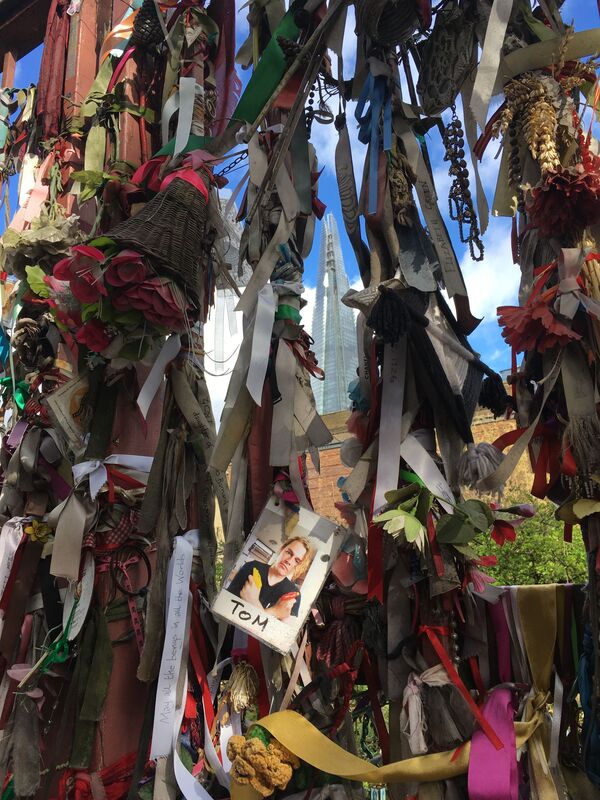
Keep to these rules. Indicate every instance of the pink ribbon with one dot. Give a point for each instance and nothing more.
(493, 774)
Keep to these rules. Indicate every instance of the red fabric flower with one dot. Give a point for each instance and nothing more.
(94, 335)
(126, 268)
(159, 300)
(84, 272)
(566, 202)
(534, 326)
(503, 531)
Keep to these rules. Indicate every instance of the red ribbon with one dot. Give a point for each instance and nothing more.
(434, 547)
(431, 632)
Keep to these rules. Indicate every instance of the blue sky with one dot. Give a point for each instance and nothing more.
(490, 283)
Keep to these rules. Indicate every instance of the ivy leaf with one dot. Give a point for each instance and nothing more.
(35, 279)
(479, 514)
(454, 529)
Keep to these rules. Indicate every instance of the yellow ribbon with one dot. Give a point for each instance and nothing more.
(538, 614)
(306, 742)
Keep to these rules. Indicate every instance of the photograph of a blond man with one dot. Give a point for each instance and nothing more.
(274, 588)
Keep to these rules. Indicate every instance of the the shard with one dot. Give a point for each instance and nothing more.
(333, 325)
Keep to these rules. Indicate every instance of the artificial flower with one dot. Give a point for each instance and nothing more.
(94, 335)
(126, 268)
(38, 531)
(534, 326)
(83, 271)
(566, 202)
(503, 531)
(159, 300)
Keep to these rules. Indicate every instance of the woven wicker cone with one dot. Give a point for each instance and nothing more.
(170, 231)
(387, 22)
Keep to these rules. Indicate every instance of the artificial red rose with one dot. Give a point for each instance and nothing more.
(566, 202)
(83, 271)
(94, 335)
(159, 300)
(503, 531)
(126, 268)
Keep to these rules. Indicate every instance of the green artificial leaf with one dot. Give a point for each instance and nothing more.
(466, 551)
(35, 279)
(413, 529)
(106, 312)
(454, 528)
(396, 496)
(387, 515)
(479, 514)
(87, 193)
(89, 311)
(131, 317)
(423, 505)
(102, 241)
(134, 351)
(410, 504)
(89, 177)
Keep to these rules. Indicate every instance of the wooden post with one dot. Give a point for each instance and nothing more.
(9, 65)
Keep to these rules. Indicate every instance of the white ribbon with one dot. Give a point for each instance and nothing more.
(261, 342)
(490, 60)
(10, 539)
(412, 720)
(182, 101)
(166, 729)
(169, 351)
(98, 475)
(419, 460)
(388, 463)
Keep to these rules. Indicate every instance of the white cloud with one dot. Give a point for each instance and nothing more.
(310, 295)
(495, 280)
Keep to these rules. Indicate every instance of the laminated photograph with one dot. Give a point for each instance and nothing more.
(279, 573)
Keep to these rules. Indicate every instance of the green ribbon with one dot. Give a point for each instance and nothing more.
(269, 71)
(288, 312)
(94, 667)
(194, 143)
(20, 393)
(411, 477)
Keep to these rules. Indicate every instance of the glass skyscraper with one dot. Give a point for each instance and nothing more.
(333, 328)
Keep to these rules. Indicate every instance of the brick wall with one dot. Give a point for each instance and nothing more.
(323, 486)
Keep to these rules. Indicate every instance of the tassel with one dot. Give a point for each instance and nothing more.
(477, 462)
(493, 394)
(389, 317)
(242, 687)
(26, 747)
(583, 434)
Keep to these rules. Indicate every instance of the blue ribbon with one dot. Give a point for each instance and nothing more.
(377, 93)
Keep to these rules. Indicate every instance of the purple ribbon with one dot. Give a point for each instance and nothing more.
(493, 774)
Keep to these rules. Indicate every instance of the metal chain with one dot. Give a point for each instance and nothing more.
(233, 164)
